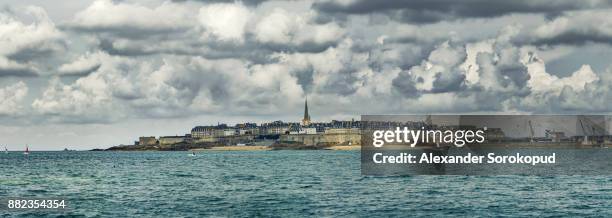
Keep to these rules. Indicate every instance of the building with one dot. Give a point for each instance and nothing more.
(306, 119)
(247, 129)
(275, 128)
(201, 132)
(313, 139)
(331, 137)
(170, 140)
(303, 130)
(147, 140)
(219, 130)
(343, 136)
(555, 136)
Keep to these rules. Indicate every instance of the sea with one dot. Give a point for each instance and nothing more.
(279, 184)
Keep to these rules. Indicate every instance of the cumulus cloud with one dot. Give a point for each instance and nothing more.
(225, 21)
(283, 27)
(82, 102)
(576, 27)
(180, 86)
(131, 20)
(495, 75)
(439, 73)
(543, 81)
(12, 68)
(12, 97)
(23, 43)
(337, 70)
(212, 30)
(82, 66)
(174, 59)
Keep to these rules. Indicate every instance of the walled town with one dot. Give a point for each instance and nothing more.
(278, 135)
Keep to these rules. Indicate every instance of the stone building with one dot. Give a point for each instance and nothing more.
(147, 140)
(331, 136)
(169, 140)
(343, 136)
(305, 139)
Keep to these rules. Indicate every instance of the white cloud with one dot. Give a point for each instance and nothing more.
(284, 27)
(127, 18)
(226, 21)
(12, 68)
(12, 97)
(576, 27)
(81, 66)
(442, 60)
(179, 59)
(21, 43)
(541, 81)
(180, 86)
(87, 100)
(40, 35)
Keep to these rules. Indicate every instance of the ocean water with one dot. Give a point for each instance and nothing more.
(280, 184)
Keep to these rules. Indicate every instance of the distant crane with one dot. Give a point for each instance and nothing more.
(585, 141)
(428, 120)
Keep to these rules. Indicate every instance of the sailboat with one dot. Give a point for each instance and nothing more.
(27, 151)
(5, 150)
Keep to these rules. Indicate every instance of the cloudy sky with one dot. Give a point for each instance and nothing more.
(95, 73)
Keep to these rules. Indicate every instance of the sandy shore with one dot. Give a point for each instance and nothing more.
(236, 148)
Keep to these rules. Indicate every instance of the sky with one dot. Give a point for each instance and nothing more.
(96, 73)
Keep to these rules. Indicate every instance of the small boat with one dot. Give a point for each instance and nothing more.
(27, 151)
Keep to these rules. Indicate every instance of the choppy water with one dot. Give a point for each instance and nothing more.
(281, 183)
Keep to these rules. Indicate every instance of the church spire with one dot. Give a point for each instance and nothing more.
(306, 120)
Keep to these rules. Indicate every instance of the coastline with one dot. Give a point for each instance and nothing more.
(268, 148)
(234, 148)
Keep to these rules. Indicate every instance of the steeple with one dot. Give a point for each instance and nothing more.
(306, 120)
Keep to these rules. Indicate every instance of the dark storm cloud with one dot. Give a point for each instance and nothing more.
(251, 49)
(31, 53)
(305, 78)
(107, 46)
(126, 31)
(17, 72)
(573, 28)
(344, 83)
(575, 37)
(404, 84)
(429, 11)
(448, 82)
